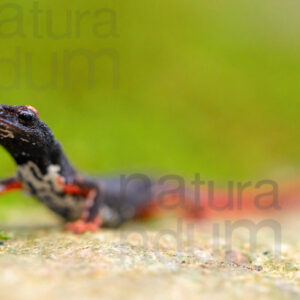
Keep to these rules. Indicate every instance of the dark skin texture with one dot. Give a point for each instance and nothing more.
(22, 124)
(31, 142)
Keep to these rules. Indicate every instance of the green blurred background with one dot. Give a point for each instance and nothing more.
(204, 86)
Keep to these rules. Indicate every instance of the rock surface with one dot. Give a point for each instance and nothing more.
(158, 260)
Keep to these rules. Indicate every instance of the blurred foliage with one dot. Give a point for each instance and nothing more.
(4, 237)
(204, 86)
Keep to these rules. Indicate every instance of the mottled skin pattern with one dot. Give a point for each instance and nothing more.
(45, 172)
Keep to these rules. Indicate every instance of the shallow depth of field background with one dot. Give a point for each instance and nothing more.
(204, 86)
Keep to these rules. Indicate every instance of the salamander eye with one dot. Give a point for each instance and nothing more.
(27, 117)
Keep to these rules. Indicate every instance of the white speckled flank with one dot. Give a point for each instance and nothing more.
(48, 189)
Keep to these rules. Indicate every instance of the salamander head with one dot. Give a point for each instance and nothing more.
(23, 134)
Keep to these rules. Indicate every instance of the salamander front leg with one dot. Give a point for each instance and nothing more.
(9, 185)
(81, 226)
(90, 220)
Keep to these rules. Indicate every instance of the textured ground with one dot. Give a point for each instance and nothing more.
(46, 263)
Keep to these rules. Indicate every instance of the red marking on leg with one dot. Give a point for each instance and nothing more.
(89, 194)
(16, 185)
(81, 226)
(72, 189)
